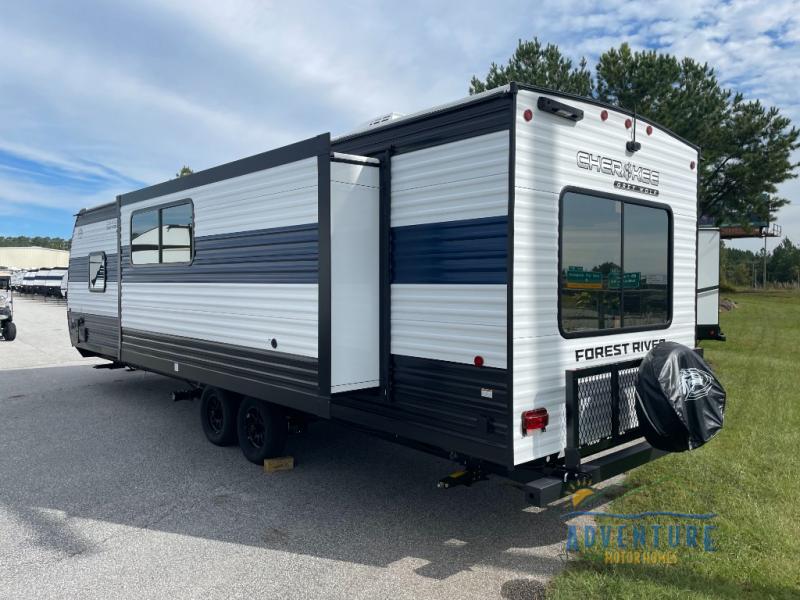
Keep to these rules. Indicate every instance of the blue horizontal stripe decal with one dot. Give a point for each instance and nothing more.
(469, 251)
(277, 255)
(79, 268)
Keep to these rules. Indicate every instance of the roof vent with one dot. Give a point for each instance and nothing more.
(382, 120)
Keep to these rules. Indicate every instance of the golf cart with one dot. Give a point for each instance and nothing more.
(8, 330)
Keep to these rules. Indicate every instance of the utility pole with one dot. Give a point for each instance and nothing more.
(765, 262)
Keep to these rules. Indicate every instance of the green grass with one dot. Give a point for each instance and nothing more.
(749, 475)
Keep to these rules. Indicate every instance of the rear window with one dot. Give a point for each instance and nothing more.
(615, 268)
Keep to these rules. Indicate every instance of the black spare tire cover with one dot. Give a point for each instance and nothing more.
(679, 403)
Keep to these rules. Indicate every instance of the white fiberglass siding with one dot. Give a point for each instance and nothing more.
(94, 237)
(448, 314)
(226, 307)
(467, 179)
(277, 197)
(449, 322)
(238, 314)
(355, 275)
(546, 163)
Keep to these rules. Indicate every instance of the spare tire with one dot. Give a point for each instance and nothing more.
(679, 403)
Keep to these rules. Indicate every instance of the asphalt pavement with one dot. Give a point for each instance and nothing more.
(108, 489)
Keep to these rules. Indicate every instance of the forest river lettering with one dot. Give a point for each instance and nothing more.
(610, 350)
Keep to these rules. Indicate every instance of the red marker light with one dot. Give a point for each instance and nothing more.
(528, 114)
(649, 130)
(478, 360)
(604, 115)
(533, 420)
(628, 123)
(692, 165)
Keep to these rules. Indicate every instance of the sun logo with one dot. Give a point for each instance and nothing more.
(581, 490)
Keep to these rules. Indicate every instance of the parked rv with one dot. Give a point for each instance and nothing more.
(52, 286)
(64, 285)
(16, 280)
(480, 280)
(40, 282)
(29, 281)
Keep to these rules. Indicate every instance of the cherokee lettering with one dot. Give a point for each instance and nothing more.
(610, 166)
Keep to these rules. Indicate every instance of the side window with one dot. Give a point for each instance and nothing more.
(615, 267)
(176, 234)
(162, 234)
(97, 272)
(144, 237)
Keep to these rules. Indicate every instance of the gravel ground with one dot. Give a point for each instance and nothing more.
(110, 490)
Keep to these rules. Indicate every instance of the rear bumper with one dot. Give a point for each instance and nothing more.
(709, 332)
(551, 487)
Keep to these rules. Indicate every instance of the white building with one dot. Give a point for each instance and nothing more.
(33, 257)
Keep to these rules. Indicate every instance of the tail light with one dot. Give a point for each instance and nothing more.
(533, 420)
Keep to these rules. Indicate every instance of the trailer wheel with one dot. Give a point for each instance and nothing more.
(10, 332)
(218, 410)
(262, 430)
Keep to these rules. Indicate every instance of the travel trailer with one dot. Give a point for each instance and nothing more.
(16, 280)
(52, 283)
(64, 285)
(29, 281)
(479, 280)
(40, 281)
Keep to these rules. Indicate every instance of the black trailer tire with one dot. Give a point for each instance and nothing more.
(9, 331)
(262, 429)
(218, 411)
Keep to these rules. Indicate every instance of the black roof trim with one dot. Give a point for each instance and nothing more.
(425, 115)
(96, 214)
(443, 125)
(625, 111)
(315, 146)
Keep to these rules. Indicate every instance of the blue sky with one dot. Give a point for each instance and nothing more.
(99, 98)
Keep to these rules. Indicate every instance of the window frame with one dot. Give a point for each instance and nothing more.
(670, 245)
(158, 208)
(97, 290)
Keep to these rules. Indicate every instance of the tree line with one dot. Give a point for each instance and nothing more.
(745, 268)
(43, 242)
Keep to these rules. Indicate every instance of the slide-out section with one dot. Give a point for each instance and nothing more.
(355, 273)
(220, 276)
(449, 252)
